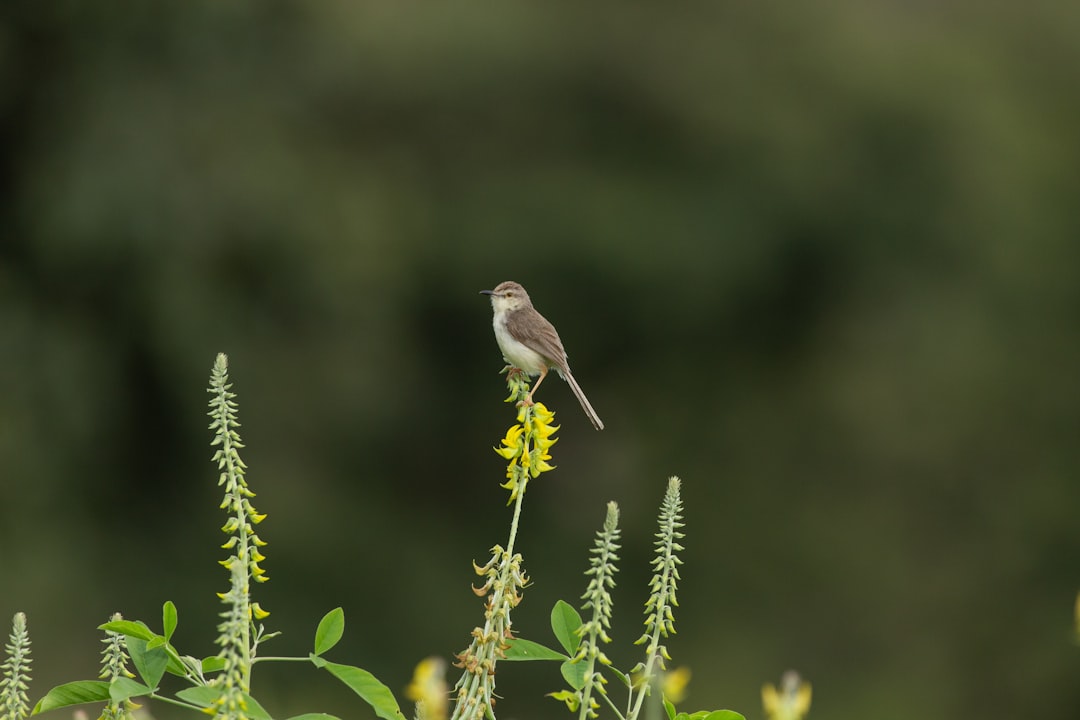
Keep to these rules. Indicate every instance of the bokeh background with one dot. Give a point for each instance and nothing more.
(819, 259)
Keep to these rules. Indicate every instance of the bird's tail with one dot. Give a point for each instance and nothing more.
(580, 395)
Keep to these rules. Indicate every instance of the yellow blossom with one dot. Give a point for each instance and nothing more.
(790, 702)
(512, 442)
(674, 684)
(429, 688)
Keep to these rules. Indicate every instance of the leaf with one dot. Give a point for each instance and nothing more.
(522, 649)
(574, 673)
(176, 665)
(168, 619)
(330, 630)
(255, 711)
(123, 688)
(724, 715)
(313, 716)
(150, 662)
(669, 708)
(213, 664)
(201, 695)
(205, 695)
(129, 628)
(565, 621)
(364, 684)
(73, 693)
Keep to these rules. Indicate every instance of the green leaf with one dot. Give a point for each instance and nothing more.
(330, 630)
(176, 664)
(669, 708)
(204, 696)
(73, 693)
(364, 684)
(313, 716)
(255, 711)
(565, 621)
(213, 664)
(574, 673)
(723, 715)
(168, 619)
(200, 695)
(123, 688)
(150, 662)
(129, 628)
(522, 649)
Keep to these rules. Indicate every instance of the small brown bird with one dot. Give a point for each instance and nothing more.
(530, 343)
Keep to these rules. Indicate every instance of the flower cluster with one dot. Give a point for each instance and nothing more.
(235, 638)
(597, 596)
(14, 704)
(527, 446)
(659, 617)
(475, 690)
(114, 659)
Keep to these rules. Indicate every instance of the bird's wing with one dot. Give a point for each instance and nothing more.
(538, 334)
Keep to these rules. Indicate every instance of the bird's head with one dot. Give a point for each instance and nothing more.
(508, 296)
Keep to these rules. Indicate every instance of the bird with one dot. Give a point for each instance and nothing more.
(530, 343)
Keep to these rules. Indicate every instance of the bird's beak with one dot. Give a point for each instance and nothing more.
(487, 292)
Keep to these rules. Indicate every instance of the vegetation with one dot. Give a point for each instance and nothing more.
(820, 260)
(221, 684)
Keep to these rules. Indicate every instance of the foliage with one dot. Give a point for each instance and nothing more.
(826, 253)
(219, 684)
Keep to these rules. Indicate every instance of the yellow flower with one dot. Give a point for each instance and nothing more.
(429, 688)
(513, 443)
(674, 684)
(790, 702)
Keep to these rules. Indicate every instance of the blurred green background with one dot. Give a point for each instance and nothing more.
(819, 259)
